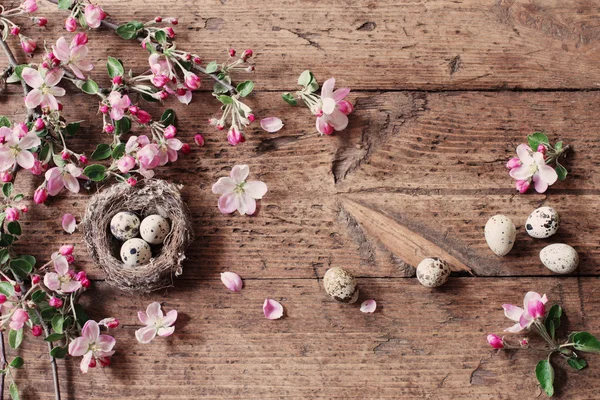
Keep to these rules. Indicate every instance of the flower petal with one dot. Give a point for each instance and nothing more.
(530, 297)
(85, 362)
(239, 173)
(368, 306)
(271, 124)
(90, 331)
(328, 105)
(512, 312)
(78, 347)
(166, 331)
(153, 311)
(521, 173)
(547, 174)
(338, 120)
(229, 202)
(327, 88)
(106, 343)
(145, 334)
(71, 183)
(525, 320)
(51, 281)
(169, 319)
(62, 50)
(256, 189)
(68, 223)
(70, 287)
(516, 328)
(232, 281)
(29, 141)
(539, 184)
(61, 265)
(32, 78)
(247, 204)
(33, 99)
(54, 76)
(272, 309)
(223, 186)
(25, 159)
(339, 94)
(524, 153)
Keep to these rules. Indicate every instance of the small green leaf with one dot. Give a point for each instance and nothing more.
(57, 323)
(14, 391)
(14, 228)
(160, 36)
(558, 146)
(149, 98)
(17, 362)
(212, 67)
(38, 296)
(90, 87)
(59, 351)
(15, 338)
(102, 152)
(305, 78)
(21, 267)
(118, 151)
(30, 259)
(7, 289)
(114, 67)
(18, 197)
(187, 65)
(5, 122)
(19, 70)
(561, 171)
(4, 256)
(7, 189)
(168, 117)
(95, 172)
(289, 98)
(225, 99)
(577, 363)
(48, 313)
(218, 88)
(585, 341)
(129, 30)
(64, 4)
(72, 128)
(6, 239)
(545, 376)
(245, 88)
(54, 337)
(537, 138)
(122, 126)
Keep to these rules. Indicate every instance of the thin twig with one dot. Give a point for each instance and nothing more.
(13, 62)
(52, 359)
(2, 364)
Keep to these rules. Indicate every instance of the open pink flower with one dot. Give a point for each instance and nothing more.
(533, 167)
(93, 15)
(73, 55)
(237, 194)
(161, 70)
(15, 149)
(156, 323)
(168, 150)
(44, 88)
(533, 308)
(18, 319)
(272, 309)
(62, 280)
(59, 177)
(118, 105)
(334, 108)
(91, 345)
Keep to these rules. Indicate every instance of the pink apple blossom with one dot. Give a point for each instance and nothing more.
(168, 150)
(110, 323)
(495, 341)
(28, 44)
(16, 150)
(70, 24)
(29, 6)
(63, 279)
(237, 194)
(235, 137)
(272, 309)
(333, 117)
(93, 15)
(91, 345)
(192, 81)
(12, 214)
(58, 178)
(73, 55)
(36, 330)
(44, 87)
(232, 281)
(66, 249)
(533, 167)
(533, 308)
(126, 163)
(18, 319)
(513, 163)
(170, 132)
(40, 195)
(156, 323)
(118, 105)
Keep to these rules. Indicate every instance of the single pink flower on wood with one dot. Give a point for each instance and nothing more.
(18, 319)
(495, 341)
(91, 345)
(533, 167)
(156, 323)
(334, 111)
(272, 309)
(533, 308)
(237, 193)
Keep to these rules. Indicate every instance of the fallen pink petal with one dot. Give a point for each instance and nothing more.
(271, 124)
(368, 306)
(68, 223)
(232, 281)
(272, 309)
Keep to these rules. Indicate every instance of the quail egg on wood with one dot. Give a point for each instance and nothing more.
(135, 252)
(560, 258)
(433, 272)
(500, 234)
(542, 223)
(125, 225)
(154, 229)
(341, 285)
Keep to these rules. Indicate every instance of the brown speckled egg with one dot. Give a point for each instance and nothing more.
(154, 229)
(125, 225)
(433, 272)
(135, 252)
(341, 285)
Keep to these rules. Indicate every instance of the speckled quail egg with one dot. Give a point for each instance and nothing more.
(500, 234)
(560, 258)
(433, 272)
(125, 225)
(542, 223)
(135, 252)
(154, 229)
(341, 285)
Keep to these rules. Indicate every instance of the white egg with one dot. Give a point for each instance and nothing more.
(433, 272)
(341, 285)
(542, 223)
(125, 225)
(500, 234)
(154, 229)
(135, 252)
(560, 258)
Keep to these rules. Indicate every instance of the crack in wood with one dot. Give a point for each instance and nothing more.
(302, 35)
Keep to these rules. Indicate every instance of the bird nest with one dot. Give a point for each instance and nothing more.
(146, 198)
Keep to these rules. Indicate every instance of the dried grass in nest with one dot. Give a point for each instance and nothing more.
(146, 198)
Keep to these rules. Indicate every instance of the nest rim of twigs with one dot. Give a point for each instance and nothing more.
(153, 196)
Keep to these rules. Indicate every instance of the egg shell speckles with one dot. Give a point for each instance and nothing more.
(542, 223)
(341, 285)
(560, 258)
(433, 272)
(125, 225)
(135, 252)
(154, 229)
(500, 234)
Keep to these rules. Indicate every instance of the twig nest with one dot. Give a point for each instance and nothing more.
(560, 258)
(542, 223)
(500, 234)
(433, 272)
(147, 198)
(341, 285)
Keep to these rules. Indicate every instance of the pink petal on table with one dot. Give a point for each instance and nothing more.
(272, 309)
(232, 281)
(368, 306)
(68, 223)
(271, 124)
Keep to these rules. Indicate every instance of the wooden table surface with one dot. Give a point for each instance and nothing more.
(444, 92)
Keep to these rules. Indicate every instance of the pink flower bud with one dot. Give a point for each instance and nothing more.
(220, 127)
(29, 6)
(117, 80)
(513, 163)
(71, 24)
(81, 275)
(40, 195)
(112, 323)
(170, 32)
(319, 113)
(2, 299)
(186, 149)
(37, 167)
(495, 341)
(5, 176)
(70, 273)
(24, 209)
(231, 53)
(133, 110)
(232, 281)
(17, 288)
(28, 45)
(173, 21)
(327, 129)
(85, 283)
(12, 214)
(104, 361)
(170, 132)
(36, 330)
(524, 343)
(247, 54)
(197, 60)
(35, 279)
(60, 106)
(41, 21)
(55, 302)
(251, 117)
(158, 19)
(93, 15)
(192, 81)
(103, 109)
(250, 68)
(346, 107)
(181, 91)
(65, 155)
(143, 117)
(235, 137)
(542, 149)
(108, 128)
(132, 181)
(163, 95)
(523, 185)
(70, 259)
(199, 140)
(83, 160)
(80, 39)
(18, 319)
(15, 30)
(92, 363)
(39, 124)
(66, 249)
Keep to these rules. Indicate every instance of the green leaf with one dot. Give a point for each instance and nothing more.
(19, 70)
(305, 78)
(15, 338)
(54, 337)
(225, 99)
(17, 362)
(545, 376)
(95, 172)
(57, 323)
(577, 363)
(6, 239)
(537, 138)
(14, 228)
(245, 88)
(38, 296)
(218, 88)
(90, 87)
(4, 256)
(122, 126)
(558, 146)
(72, 128)
(7, 289)
(64, 4)
(561, 171)
(118, 151)
(18, 197)
(7, 189)
(149, 98)
(585, 341)
(21, 267)
(114, 67)
(129, 30)
(59, 351)
(48, 313)
(82, 317)
(102, 152)
(160, 36)
(168, 117)
(30, 259)
(5, 122)
(212, 67)
(289, 98)
(14, 391)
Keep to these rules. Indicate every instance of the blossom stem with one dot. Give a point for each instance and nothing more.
(2, 364)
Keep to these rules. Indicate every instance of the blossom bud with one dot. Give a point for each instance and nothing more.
(15, 30)
(197, 60)
(36, 330)
(235, 137)
(71, 24)
(173, 21)
(85, 283)
(327, 129)
(39, 124)
(35, 279)
(251, 117)
(199, 140)
(158, 19)
(40, 195)
(170, 32)
(117, 80)
(133, 110)
(180, 91)
(186, 149)
(108, 128)
(5, 176)
(70, 259)
(80, 39)
(29, 6)
(37, 167)
(24, 209)
(12, 214)
(542, 149)
(495, 341)
(17, 288)
(231, 53)
(250, 68)
(524, 343)
(55, 302)
(104, 361)
(192, 81)
(144, 45)
(345, 107)
(132, 181)
(103, 109)
(65, 155)
(170, 132)
(143, 117)
(112, 323)
(60, 107)
(513, 163)
(28, 45)
(247, 54)
(163, 95)
(523, 185)
(66, 249)
(83, 160)
(220, 127)
(2, 299)
(92, 363)
(41, 21)
(81, 275)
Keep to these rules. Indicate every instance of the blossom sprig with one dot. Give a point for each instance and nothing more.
(84, 13)
(535, 167)
(8, 26)
(533, 318)
(329, 107)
